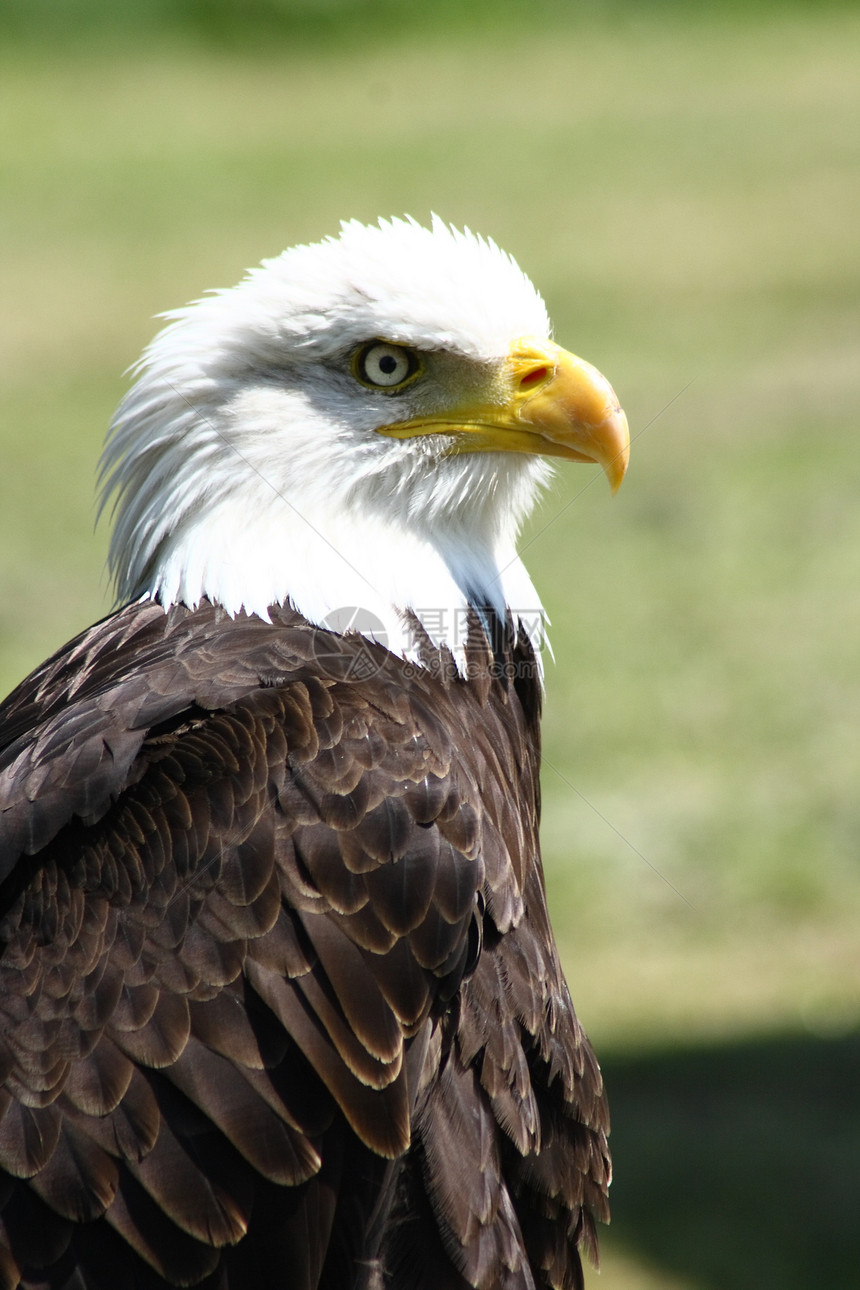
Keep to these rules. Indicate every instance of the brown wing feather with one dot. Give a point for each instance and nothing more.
(279, 992)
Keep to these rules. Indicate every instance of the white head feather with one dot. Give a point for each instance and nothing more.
(246, 461)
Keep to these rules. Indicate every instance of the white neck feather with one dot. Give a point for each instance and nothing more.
(342, 573)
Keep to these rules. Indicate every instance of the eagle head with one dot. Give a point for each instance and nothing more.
(362, 422)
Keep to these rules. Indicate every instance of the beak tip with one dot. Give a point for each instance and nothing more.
(616, 465)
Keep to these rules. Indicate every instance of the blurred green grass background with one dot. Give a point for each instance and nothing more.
(683, 184)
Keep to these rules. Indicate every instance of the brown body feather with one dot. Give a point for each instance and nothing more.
(280, 1002)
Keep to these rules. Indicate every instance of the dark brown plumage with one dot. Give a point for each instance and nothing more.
(280, 1000)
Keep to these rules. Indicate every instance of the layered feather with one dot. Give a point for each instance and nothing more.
(313, 911)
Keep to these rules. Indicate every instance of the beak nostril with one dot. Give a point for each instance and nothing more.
(535, 377)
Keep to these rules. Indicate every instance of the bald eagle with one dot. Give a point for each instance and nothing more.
(281, 1004)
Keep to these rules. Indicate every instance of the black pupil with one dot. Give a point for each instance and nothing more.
(388, 364)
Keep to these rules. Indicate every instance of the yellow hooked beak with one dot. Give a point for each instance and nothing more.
(547, 402)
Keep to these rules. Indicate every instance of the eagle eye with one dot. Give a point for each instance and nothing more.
(383, 366)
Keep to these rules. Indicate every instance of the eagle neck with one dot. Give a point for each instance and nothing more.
(348, 573)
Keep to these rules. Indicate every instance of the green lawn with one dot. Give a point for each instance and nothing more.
(686, 193)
